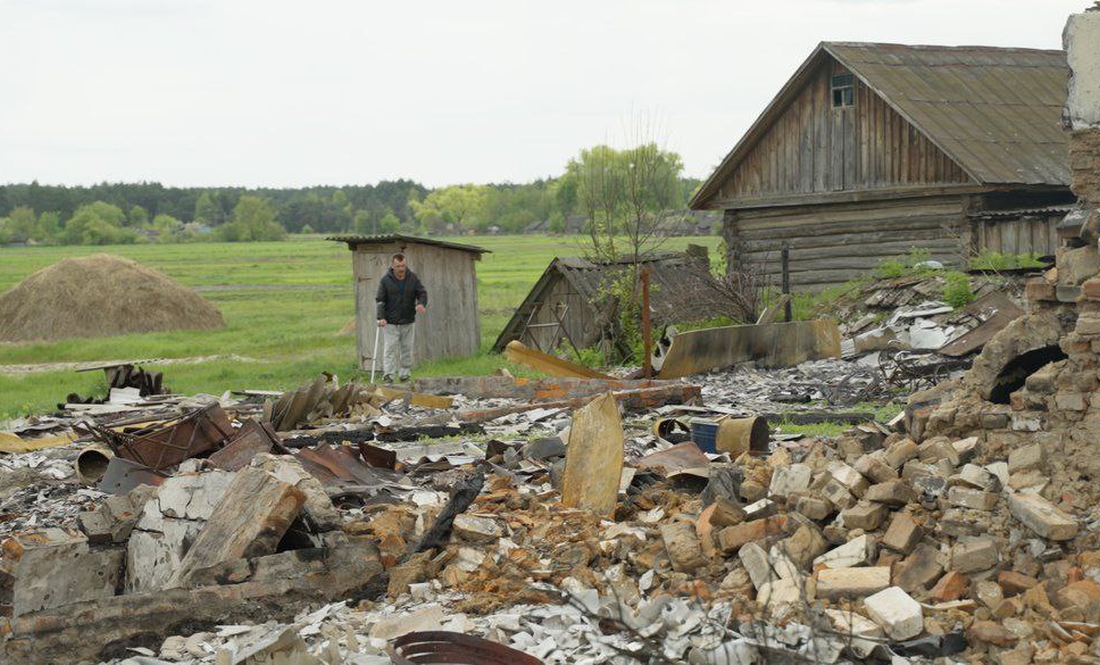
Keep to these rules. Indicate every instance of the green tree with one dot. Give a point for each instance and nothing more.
(168, 228)
(253, 219)
(362, 223)
(23, 224)
(98, 223)
(49, 225)
(138, 216)
(389, 223)
(207, 211)
(457, 206)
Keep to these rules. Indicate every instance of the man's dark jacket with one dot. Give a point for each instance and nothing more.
(397, 298)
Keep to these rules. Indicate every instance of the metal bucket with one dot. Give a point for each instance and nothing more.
(738, 436)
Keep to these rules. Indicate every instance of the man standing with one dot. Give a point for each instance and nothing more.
(400, 298)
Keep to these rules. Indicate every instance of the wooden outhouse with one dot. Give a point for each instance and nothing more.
(451, 326)
(871, 150)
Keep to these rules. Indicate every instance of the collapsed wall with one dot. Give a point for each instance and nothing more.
(1036, 381)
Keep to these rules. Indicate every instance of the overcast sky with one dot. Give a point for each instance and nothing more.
(225, 92)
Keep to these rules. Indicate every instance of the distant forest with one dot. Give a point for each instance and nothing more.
(111, 213)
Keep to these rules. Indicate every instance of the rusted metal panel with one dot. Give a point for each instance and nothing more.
(772, 346)
(682, 456)
(382, 458)
(168, 443)
(544, 362)
(996, 311)
(250, 440)
(439, 646)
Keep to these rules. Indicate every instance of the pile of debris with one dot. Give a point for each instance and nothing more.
(571, 535)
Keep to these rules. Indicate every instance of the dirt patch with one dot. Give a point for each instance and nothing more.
(38, 368)
(100, 296)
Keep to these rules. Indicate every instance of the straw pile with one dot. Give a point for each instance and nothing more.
(100, 296)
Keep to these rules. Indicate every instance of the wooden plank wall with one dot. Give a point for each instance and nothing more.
(578, 317)
(833, 243)
(815, 148)
(451, 326)
(1020, 235)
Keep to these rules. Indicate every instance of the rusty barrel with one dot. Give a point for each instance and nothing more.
(737, 436)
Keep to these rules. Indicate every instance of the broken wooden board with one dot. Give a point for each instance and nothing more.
(416, 399)
(249, 521)
(548, 364)
(531, 389)
(996, 311)
(594, 457)
(768, 316)
(772, 346)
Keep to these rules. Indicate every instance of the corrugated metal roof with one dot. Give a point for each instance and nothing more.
(1044, 211)
(354, 241)
(996, 111)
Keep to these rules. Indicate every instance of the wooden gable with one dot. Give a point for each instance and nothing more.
(808, 146)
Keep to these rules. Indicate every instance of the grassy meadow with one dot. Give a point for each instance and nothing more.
(283, 303)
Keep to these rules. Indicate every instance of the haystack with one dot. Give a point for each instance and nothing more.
(100, 296)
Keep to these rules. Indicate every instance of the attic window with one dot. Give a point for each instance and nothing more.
(844, 90)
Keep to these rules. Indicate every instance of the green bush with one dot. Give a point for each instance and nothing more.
(890, 268)
(987, 259)
(956, 289)
(913, 263)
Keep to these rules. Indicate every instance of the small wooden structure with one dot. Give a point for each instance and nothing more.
(451, 326)
(567, 305)
(870, 150)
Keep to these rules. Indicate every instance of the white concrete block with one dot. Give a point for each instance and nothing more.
(896, 612)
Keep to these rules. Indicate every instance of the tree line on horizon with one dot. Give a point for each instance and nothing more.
(120, 213)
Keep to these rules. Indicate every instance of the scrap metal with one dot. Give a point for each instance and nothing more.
(771, 346)
(439, 646)
(164, 444)
(517, 352)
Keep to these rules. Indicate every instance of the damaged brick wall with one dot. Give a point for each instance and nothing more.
(1036, 381)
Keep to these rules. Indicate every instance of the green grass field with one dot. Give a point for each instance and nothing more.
(283, 304)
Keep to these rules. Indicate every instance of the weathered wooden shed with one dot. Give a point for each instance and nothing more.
(451, 326)
(870, 150)
(566, 306)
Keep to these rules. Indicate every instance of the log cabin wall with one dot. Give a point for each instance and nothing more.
(814, 147)
(833, 243)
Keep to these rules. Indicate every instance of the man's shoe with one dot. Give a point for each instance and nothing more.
(387, 378)
(404, 377)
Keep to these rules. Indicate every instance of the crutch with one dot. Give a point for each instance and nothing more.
(374, 356)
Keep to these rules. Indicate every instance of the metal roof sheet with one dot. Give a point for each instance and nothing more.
(354, 241)
(996, 111)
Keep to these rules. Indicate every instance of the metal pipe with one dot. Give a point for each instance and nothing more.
(92, 463)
